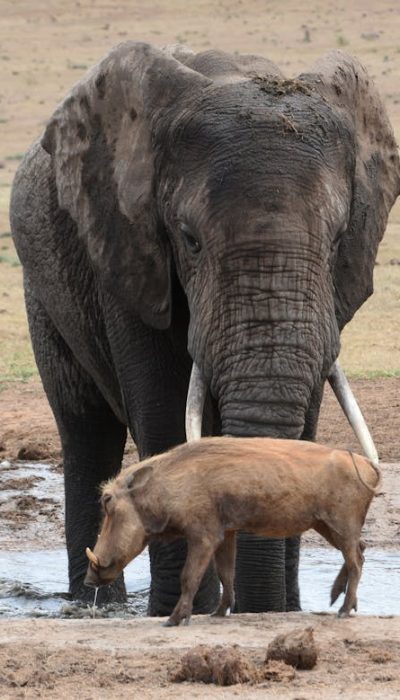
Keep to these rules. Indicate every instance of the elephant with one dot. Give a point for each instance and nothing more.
(197, 220)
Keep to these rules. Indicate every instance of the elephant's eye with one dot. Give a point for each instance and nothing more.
(192, 243)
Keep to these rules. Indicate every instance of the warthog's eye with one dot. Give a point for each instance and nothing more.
(106, 500)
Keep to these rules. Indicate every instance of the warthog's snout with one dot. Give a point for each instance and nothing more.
(98, 575)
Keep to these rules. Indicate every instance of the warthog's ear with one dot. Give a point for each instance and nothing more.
(139, 479)
(153, 522)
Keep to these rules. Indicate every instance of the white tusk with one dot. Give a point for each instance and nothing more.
(92, 557)
(351, 409)
(195, 404)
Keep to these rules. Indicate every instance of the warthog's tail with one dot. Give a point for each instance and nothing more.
(376, 488)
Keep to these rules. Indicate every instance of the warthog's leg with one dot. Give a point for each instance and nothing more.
(340, 582)
(200, 552)
(353, 561)
(225, 565)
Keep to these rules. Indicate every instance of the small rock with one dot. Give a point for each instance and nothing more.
(295, 648)
(5, 464)
(370, 36)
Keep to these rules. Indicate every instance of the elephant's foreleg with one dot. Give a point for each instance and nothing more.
(154, 370)
(92, 440)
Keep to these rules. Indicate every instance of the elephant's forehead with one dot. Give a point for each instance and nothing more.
(236, 134)
(245, 113)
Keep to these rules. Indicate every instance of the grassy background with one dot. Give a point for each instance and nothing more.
(46, 45)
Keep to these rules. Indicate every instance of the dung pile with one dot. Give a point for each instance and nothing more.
(220, 665)
(228, 665)
(297, 649)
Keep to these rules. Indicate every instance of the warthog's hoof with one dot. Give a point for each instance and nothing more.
(221, 611)
(171, 622)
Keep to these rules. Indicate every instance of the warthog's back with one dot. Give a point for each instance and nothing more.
(284, 486)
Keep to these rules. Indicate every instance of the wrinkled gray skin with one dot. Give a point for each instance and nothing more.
(181, 207)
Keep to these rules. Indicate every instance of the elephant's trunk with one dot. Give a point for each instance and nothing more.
(271, 406)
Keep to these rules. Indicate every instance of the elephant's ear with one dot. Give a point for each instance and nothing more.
(344, 83)
(100, 142)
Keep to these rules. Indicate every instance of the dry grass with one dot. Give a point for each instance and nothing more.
(45, 47)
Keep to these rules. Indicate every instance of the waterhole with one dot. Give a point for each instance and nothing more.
(34, 584)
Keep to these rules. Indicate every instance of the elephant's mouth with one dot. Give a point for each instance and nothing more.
(337, 379)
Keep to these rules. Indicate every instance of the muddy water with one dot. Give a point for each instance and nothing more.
(35, 584)
(33, 581)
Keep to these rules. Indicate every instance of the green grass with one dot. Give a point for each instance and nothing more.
(14, 262)
(373, 374)
(15, 156)
(341, 40)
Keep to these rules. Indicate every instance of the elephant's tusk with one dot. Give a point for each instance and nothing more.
(351, 409)
(195, 404)
(92, 557)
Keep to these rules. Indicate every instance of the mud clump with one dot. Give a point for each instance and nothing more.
(33, 452)
(278, 671)
(295, 648)
(281, 86)
(218, 665)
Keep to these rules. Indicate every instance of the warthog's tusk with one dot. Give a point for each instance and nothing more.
(195, 404)
(351, 409)
(92, 557)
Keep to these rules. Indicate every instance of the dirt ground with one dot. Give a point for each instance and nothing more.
(90, 659)
(45, 46)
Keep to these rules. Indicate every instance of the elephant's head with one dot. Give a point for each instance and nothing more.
(267, 197)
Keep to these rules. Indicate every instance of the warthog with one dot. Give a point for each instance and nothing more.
(208, 490)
